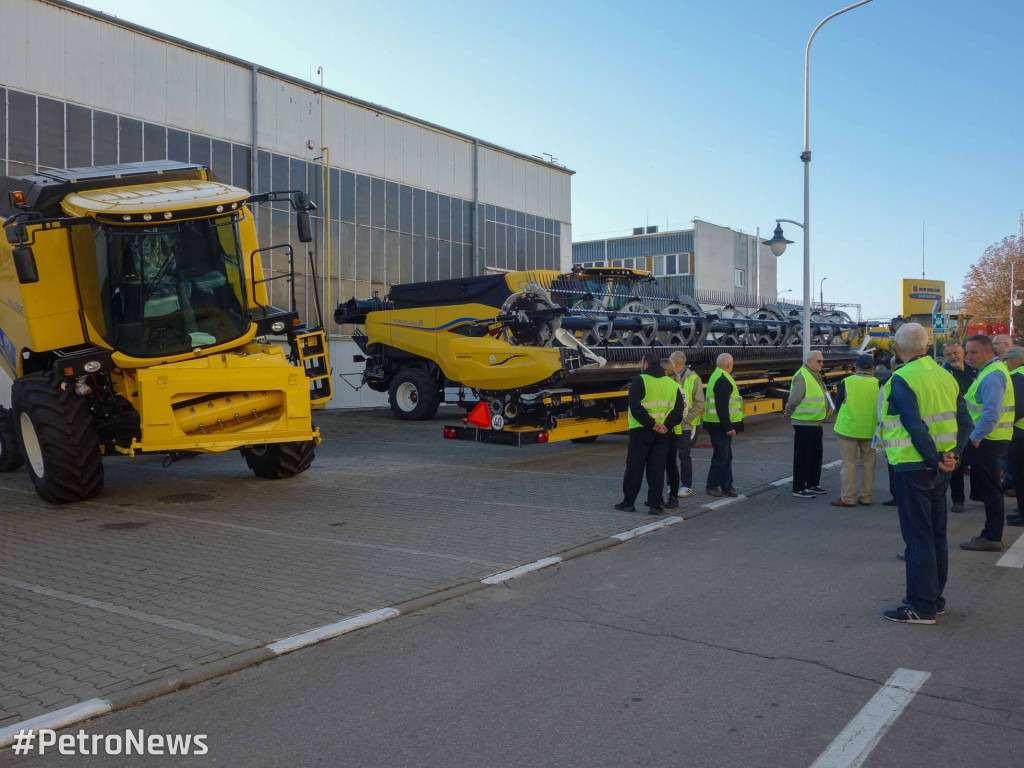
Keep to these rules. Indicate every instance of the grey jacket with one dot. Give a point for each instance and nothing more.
(694, 410)
(798, 391)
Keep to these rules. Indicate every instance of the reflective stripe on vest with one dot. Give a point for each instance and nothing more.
(659, 398)
(858, 415)
(688, 385)
(813, 407)
(1003, 429)
(1019, 423)
(936, 391)
(735, 401)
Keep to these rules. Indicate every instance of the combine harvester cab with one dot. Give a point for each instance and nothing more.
(134, 318)
(550, 355)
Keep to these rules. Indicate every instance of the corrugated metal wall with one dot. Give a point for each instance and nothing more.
(631, 247)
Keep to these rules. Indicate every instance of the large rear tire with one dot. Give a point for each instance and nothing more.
(10, 451)
(414, 395)
(277, 461)
(57, 438)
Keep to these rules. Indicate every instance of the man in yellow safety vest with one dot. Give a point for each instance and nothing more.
(923, 426)
(991, 402)
(807, 408)
(655, 407)
(723, 419)
(856, 421)
(680, 477)
(1014, 359)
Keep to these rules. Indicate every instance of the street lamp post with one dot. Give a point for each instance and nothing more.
(1014, 300)
(805, 157)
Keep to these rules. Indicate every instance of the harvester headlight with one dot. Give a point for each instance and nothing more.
(220, 209)
(126, 217)
(168, 215)
(92, 366)
(277, 326)
(147, 217)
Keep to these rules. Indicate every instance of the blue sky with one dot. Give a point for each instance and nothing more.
(675, 110)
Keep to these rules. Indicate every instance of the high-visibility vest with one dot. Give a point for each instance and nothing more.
(1019, 423)
(659, 398)
(1004, 427)
(688, 386)
(858, 415)
(735, 401)
(814, 406)
(937, 392)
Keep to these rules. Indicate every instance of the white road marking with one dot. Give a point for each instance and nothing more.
(56, 720)
(301, 640)
(1014, 556)
(724, 502)
(782, 481)
(833, 464)
(150, 618)
(498, 578)
(861, 735)
(649, 528)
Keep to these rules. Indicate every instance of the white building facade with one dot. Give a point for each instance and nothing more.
(400, 199)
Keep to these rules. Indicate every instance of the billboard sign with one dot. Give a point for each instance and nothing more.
(919, 297)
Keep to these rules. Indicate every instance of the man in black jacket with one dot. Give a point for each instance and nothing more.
(723, 419)
(965, 376)
(652, 415)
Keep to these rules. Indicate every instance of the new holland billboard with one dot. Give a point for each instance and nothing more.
(919, 297)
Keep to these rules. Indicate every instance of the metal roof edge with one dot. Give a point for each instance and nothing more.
(630, 237)
(109, 19)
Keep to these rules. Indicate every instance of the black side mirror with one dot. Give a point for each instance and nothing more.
(25, 265)
(304, 227)
(16, 233)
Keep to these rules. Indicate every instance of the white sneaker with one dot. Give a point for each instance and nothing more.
(685, 493)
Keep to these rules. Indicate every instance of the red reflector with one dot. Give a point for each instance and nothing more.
(69, 371)
(480, 416)
(295, 321)
(449, 432)
(542, 437)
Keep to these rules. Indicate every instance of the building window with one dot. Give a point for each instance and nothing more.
(739, 278)
(673, 264)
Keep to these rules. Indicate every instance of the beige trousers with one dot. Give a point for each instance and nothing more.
(849, 450)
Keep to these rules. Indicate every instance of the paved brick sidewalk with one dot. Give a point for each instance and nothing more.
(172, 568)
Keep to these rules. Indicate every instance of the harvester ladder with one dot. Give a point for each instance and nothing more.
(311, 347)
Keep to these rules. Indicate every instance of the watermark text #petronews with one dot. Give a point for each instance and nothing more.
(131, 742)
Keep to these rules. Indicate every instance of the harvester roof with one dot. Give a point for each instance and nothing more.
(135, 201)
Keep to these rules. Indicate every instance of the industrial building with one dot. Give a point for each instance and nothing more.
(404, 200)
(715, 264)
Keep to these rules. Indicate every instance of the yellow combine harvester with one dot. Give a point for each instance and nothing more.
(134, 318)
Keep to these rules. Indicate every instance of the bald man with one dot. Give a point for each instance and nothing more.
(723, 418)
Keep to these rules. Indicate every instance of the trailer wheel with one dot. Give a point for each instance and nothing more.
(587, 439)
(10, 451)
(57, 437)
(414, 395)
(276, 461)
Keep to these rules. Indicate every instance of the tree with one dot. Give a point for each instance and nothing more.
(986, 293)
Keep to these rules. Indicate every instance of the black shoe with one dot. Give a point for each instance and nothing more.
(714, 492)
(624, 507)
(941, 607)
(672, 503)
(817, 490)
(889, 503)
(958, 507)
(1015, 520)
(804, 494)
(907, 615)
(730, 492)
(655, 510)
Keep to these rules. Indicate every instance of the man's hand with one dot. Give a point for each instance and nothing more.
(785, 416)
(976, 443)
(731, 433)
(948, 462)
(661, 429)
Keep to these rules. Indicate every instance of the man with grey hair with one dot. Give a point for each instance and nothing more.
(924, 427)
(680, 477)
(1000, 343)
(723, 418)
(1014, 359)
(807, 407)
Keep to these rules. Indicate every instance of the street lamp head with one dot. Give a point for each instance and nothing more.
(778, 242)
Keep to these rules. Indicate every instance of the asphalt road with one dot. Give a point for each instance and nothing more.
(750, 636)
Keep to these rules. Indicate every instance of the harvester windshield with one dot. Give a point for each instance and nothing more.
(165, 289)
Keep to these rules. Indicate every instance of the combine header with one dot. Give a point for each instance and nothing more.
(551, 354)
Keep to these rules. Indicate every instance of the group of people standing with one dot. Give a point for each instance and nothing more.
(935, 423)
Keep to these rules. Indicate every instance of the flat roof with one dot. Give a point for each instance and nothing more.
(107, 18)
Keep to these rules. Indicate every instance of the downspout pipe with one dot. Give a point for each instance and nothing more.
(474, 261)
(254, 162)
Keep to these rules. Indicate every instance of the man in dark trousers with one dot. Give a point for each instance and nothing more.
(991, 404)
(655, 406)
(807, 408)
(723, 419)
(924, 427)
(1014, 359)
(965, 376)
